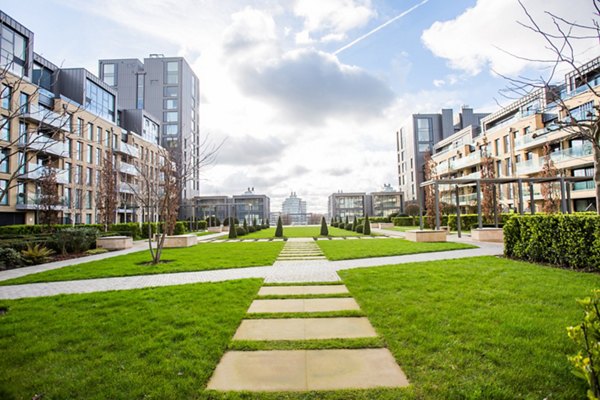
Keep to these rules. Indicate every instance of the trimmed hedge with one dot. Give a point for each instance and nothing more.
(405, 221)
(468, 220)
(571, 241)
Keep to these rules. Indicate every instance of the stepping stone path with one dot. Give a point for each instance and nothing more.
(301, 249)
(303, 370)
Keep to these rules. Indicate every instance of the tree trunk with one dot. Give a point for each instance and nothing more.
(596, 153)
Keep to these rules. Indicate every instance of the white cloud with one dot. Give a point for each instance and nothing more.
(332, 18)
(439, 82)
(475, 40)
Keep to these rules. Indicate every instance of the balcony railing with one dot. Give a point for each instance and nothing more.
(36, 172)
(127, 149)
(47, 117)
(531, 139)
(571, 153)
(125, 187)
(529, 166)
(45, 144)
(31, 201)
(471, 159)
(128, 169)
(587, 185)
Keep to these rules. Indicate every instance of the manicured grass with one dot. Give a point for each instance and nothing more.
(350, 249)
(205, 233)
(161, 343)
(313, 344)
(477, 328)
(204, 256)
(299, 231)
(402, 228)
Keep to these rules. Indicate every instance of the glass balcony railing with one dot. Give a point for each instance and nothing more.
(45, 144)
(529, 166)
(471, 159)
(47, 117)
(128, 169)
(36, 172)
(571, 153)
(587, 185)
(128, 149)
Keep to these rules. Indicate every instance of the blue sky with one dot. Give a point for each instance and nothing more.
(296, 116)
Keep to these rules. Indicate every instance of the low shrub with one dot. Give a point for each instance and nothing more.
(144, 231)
(227, 220)
(404, 221)
(180, 228)
(468, 220)
(10, 258)
(74, 240)
(571, 241)
(334, 224)
(360, 228)
(212, 221)
(240, 231)
(251, 229)
(36, 254)
(131, 229)
(348, 226)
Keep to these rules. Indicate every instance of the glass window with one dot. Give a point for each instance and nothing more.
(3, 186)
(506, 144)
(423, 147)
(98, 156)
(79, 127)
(107, 139)
(170, 116)
(5, 96)
(22, 133)
(4, 129)
(497, 146)
(70, 148)
(170, 129)
(170, 91)
(172, 72)
(79, 151)
(13, 51)
(68, 169)
(89, 177)
(90, 132)
(90, 154)
(88, 202)
(424, 130)
(4, 160)
(99, 101)
(24, 102)
(78, 174)
(171, 104)
(99, 134)
(140, 91)
(108, 74)
(88, 218)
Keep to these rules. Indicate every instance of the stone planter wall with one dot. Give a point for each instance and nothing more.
(114, 242)
(488, 235)
(418, 235)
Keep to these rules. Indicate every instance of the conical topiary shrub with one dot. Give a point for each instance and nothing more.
(324, 230)
(331, 222)
(279, 229)
(354, 223)
(232, 230)
(367, 227)
(245, 225)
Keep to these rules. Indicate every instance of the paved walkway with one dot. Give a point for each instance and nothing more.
(281, 271)
(300, 249)
(301, 370)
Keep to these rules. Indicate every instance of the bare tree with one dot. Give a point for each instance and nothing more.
(429, 171)
(48, 198)
(489, 196)
(550, 190)
(107, 195)
(561, 40)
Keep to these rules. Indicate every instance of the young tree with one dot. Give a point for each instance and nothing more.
(489, 196)
(429, 172)
(563, 39)
(48, 198)
(279, 229)
(107, 195)
(550, 191)
(324, 230)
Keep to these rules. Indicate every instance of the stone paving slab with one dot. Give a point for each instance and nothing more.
(302, 305)
(296, 290)
(301, 370)
(304, 329)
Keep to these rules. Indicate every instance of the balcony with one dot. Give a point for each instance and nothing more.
(471, 159)
(533, 139)
(128, 169)
(572, 155)
(35, 172)
(44, 144)
(529, 166)
(31, 201)
(130, 188)
(127, 149)
(587, 185)
(48, 118)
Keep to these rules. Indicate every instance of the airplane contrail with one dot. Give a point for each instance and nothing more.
(366, 35)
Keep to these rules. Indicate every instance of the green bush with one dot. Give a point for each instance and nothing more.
(324, 230)
(571, 241)
(10, 258)
(587, 337)
(144, 230)
(367, 226)
(382, 220)
(334, 224)
(232, 231)
(468, 220)
(240, 231)
(131, 229)
(212, 221)
(354, 223)
(36, 254)
(348, 226)
(251, 229)
(74, 240)
(180, 228)
(228, 220)
(360, 228)
(404, 221)
(279, 229)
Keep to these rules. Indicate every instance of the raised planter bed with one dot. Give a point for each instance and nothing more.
(214, 229)
(425, 235)
(384, 225)
(114, 242)
(180, 241)
(488, 235)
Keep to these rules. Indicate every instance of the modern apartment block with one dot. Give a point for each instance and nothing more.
(376, 204)
(66, 121)
(419, 136)
(516, 137)
(247, 206)
(166, 87)
(295, 210)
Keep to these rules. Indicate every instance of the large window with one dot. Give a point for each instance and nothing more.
(424, 134)
(5, 92)
(3, 186)
(109, 74)
(171, 104)
(13, 51)
(4, 129)
(170, 91)
(24, 102)
(172, 72)
(140, 92)
(99, 101)
(90, 135)
(170, 116)
(4, 160)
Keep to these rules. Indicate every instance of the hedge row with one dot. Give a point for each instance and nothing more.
(405, 221)
(467, 221)
(571, 241)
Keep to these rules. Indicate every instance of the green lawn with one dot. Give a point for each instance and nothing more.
(477, 328)
(402, 228)
(349, 249)
(204, 233)
(299, 231)
(204, 256)
(161, 343)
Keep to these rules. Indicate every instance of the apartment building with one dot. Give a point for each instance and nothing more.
(419, 135)
(358, 204)
(247, 206)
(166, 87)
(516, 136)
(65, 121)
(295, 210)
